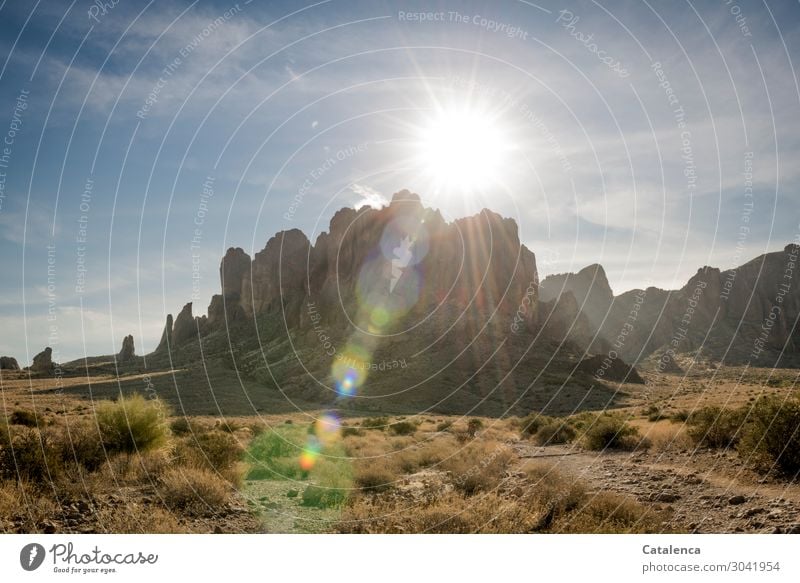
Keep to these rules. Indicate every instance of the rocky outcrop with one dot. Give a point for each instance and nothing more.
(184, 327)
(43, 362)
(127, 352)
(8, 363)
(166, 335)
(233, 268)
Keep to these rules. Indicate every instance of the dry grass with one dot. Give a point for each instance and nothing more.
(665, 435)
(545, 503)
(479, 466)
(194, 491)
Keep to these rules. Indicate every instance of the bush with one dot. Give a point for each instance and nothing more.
(378, 423)
(348, 431)
(653, 413)
(771, 436)
(479, 466)
(679, 417)
(554, 433)
(374, 476)
(332, 483)
(444, 426)
(473, 426)
(180, 426)
(193, 490)
(276, 454)
(531, 424)
(716, 427)
(403, 428)
(80, 442)
(23, 417)
(28, 454)
(610, 432)
(133, 424)
(217, 450)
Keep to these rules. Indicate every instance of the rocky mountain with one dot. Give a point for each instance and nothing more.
(396, 309)
(411, 310)
(748, 314)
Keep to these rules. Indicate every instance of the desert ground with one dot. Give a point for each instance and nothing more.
(682, 453)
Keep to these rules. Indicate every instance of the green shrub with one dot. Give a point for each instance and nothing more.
(348, 431)
(531, 424)
(716, 427)
(332, 483)
(379, 423)
(23, 417)
(180, 426)
(679, 417)
(770, 437)
(554, 433)
(275, 454)
(133, 424)
(610, 432)
(444, 426)
(403, 428)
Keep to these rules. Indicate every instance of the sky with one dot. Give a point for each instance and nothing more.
(141, 140)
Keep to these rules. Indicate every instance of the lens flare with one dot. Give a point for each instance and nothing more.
(310, 453)
(327, 429)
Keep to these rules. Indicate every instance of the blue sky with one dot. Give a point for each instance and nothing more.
(148, 138)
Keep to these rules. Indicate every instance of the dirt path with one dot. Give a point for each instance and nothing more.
(708, 492)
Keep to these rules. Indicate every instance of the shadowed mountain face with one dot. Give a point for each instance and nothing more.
(746, 314)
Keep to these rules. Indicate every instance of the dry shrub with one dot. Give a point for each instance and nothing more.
(126, 519)
(403, 428)
(133, 424)
(547, 503)
(666, 435)
(23, 508)
(607, 513)
(610, 431)
(447, 514)
(23, 417)
(480, 466)
(28, 454)
(193, 490)
(80, 442)
(375, 475)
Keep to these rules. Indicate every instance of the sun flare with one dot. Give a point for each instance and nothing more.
(462, 149)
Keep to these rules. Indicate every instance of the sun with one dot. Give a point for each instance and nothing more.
(462, 149)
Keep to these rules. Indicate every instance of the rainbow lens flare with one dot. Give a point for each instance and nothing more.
(310, 453)
(327, 429)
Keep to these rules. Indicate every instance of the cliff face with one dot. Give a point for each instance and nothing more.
(745, 314)
(403, 258)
